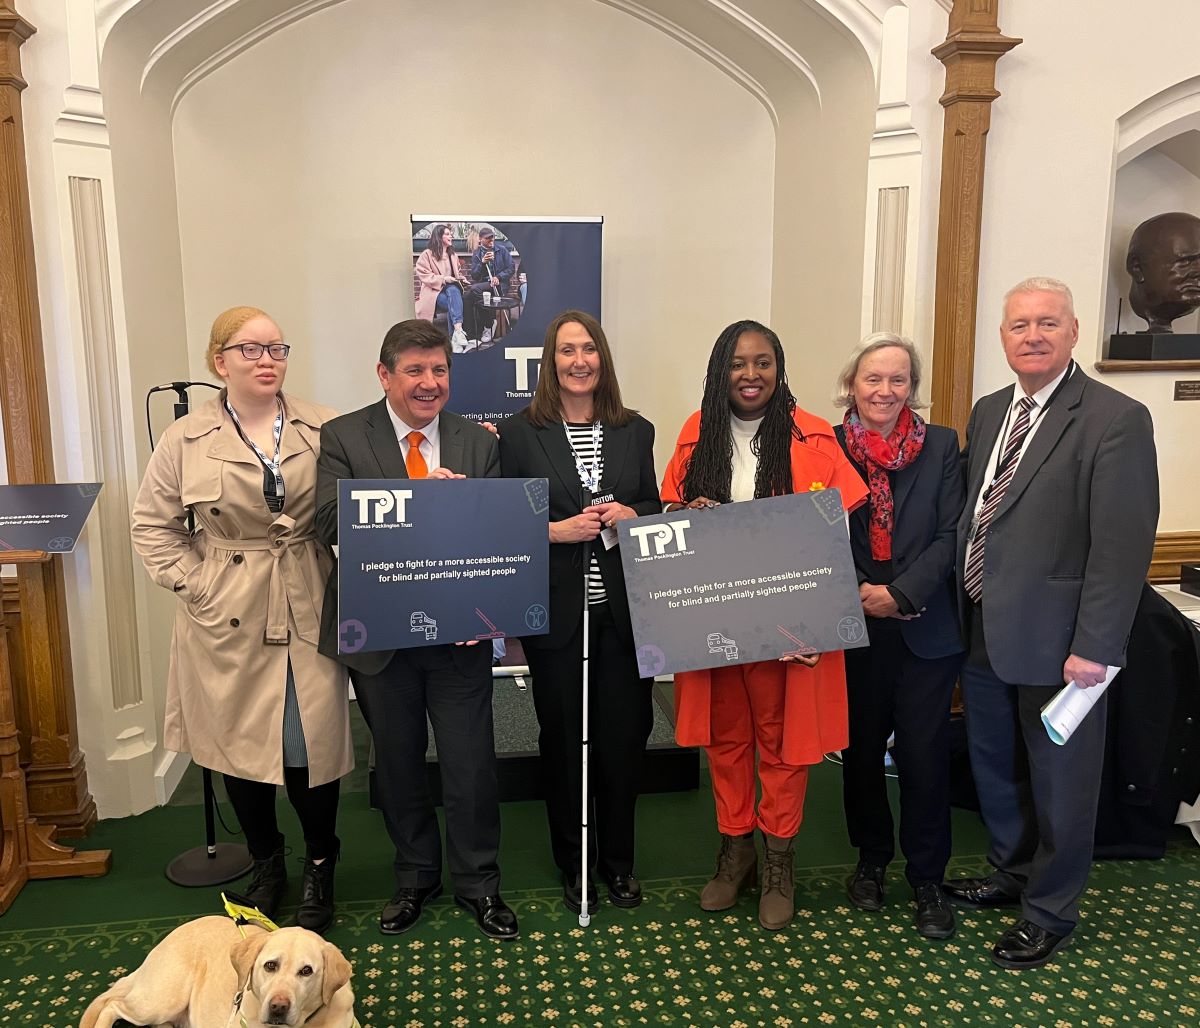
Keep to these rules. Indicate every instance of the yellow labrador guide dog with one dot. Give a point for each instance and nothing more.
(215, 973)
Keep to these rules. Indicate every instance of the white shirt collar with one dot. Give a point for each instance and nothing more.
(1042, 396)
(430, 431)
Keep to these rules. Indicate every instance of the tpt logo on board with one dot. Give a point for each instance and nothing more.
(384, 507)
(668, 540)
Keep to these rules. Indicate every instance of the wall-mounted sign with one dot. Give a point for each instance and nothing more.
(1187, 390)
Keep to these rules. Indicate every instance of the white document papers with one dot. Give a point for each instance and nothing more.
(1189, 814)
(1063, 714)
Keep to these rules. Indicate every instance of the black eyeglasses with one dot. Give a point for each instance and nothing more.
(252, 351)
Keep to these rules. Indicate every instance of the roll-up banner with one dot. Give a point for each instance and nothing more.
(494, 284)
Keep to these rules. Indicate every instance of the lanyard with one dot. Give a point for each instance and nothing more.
(1035, 416)
(271, 465)
(589, 477)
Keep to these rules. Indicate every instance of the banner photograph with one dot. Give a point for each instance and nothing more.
(493, 284)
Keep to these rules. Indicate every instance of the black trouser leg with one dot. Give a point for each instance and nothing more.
(922, 751)
(890, 689)
(870, 692)
(459, 698)
(254, 804)
(393, 702)
(620, 718)
(1001, 770)
(558, 703)
(1065, 783)
(317, 809)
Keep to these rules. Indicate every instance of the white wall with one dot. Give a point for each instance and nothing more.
(295, 182)
(286, 174)
(1050, 180)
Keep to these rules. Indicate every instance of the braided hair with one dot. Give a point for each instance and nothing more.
(710, 468)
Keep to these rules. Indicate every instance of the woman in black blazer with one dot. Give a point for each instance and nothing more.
(903, 542)
(599, 460)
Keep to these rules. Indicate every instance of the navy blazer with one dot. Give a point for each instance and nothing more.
(927, 499)
(527, 451)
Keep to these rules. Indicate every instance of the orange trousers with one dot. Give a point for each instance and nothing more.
(747, 715)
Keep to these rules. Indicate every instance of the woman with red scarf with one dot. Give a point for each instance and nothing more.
(903, 542)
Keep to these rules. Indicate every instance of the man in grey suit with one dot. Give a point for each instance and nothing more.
(1053, 547)
(407, 434)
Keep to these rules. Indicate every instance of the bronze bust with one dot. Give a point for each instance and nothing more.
(1164, 262)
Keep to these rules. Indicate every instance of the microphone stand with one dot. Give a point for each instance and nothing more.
(213, 863)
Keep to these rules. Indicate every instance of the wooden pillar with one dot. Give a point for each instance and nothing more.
(973, 46)
(44, 698)
(27, 848)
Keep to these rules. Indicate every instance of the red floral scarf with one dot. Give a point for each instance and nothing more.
(879, 456)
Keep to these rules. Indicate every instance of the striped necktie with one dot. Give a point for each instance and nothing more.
(1006, 468)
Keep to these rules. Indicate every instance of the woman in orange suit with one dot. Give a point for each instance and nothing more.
(750, 440)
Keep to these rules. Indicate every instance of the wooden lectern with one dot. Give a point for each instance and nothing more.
(28, 849)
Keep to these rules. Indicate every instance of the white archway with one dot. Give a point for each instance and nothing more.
(810, 66)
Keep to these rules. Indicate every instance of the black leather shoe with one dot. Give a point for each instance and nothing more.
(573, 897)
(316, 894)
(495, 917)
(978, 892)
(865, 886)
(403, 910)
(623, 891)
(268, 882)
(1026, 945)
(935, 916)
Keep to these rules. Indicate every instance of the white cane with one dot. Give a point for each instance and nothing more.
(585, 917)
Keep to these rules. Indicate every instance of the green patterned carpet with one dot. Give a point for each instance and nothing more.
(1133, 961)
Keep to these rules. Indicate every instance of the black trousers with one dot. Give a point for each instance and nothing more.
(620, 717)
(254, 804)
(1038, 799)
(890, 689)
(455, 690)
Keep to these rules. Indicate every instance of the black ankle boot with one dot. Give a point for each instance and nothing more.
(268, 882)
(316, 894)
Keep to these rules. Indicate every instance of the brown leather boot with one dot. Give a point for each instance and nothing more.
(737, 867)
(777, 904)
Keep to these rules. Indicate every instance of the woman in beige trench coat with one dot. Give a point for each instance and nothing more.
(248, 694)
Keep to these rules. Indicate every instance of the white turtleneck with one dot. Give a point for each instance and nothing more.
(745, 462)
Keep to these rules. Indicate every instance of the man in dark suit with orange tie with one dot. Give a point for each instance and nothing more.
(407, 434)
(1053, 547)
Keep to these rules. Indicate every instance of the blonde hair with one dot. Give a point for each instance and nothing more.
(844, 395)
(226, 325)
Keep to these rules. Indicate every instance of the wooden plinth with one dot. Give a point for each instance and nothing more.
(27, 848)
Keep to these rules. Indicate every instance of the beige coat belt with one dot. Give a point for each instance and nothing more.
(288, 588)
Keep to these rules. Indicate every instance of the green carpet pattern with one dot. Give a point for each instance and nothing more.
(1133, 961)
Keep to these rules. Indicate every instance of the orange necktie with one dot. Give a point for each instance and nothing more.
(414, 462)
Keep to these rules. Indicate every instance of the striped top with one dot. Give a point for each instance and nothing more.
(582, 439)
